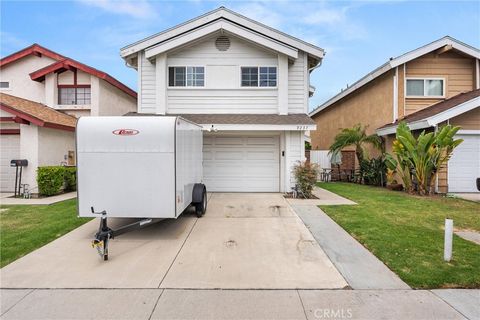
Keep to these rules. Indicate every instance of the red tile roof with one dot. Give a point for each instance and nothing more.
(37, 113)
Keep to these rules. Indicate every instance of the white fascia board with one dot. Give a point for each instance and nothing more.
(474, 132)
(258, 127)
(217, 14)
(474, 52)
(436, 119)
(221, 25)
(455, 111)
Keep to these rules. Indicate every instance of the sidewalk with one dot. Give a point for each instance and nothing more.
(6, 200)
(237, 304)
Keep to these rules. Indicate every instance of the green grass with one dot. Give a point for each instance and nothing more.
(407, 232)
(26, 228)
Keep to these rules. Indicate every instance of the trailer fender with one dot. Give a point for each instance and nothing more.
(197, 194)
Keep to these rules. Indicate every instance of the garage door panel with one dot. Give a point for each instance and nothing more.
(464, 165)
(242, 163)
(10, 149)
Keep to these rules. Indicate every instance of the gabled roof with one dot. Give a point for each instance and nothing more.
(63, 63)
(447, 42)
(232, 18)
(437, 113)
(34, 49)
(70, 64)
(36, 113)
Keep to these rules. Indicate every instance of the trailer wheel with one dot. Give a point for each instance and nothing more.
(200, 199)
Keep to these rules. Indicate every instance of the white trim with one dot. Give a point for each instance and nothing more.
(393, 63)
(477, 73)
(161, 69)
(223, 25)
(425, 87)
(468, 132)
(218, 14)
(282, 83)
(435, 119)
(258, 127)
(395, 95)
(139, 82)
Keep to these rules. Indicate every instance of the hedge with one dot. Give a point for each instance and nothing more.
(51, 180)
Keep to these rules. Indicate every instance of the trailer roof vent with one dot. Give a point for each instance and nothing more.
(222, 43)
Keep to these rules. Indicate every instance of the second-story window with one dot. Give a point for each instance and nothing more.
(186, 76)
(425, 87)
(259, 76)
(74, 95)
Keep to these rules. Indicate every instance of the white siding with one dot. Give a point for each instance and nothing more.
(297, 85)
(294, 153)
(147, 97)
(222, 92)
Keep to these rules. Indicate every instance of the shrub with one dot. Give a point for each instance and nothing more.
(306, 176)
(70, 178)
(374, 171)
(50, 180)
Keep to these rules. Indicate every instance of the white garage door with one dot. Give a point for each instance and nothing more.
(464, 165)
(9, 149)
(246, 163)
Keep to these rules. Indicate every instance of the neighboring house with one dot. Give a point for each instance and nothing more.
(247, 85)
(423, 87)
(41, 95)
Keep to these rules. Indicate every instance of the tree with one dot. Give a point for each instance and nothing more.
(358, 138)
(422, 157)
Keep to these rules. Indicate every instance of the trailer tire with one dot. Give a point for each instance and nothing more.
(199, 199)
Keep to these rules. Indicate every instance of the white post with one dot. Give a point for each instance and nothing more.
(447, 255)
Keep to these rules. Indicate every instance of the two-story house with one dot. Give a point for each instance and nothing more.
(246, 84)
(41, 95)
(427, 87)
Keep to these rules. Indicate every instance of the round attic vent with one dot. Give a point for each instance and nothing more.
(222, 43)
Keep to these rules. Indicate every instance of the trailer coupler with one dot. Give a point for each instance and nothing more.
(104, 234)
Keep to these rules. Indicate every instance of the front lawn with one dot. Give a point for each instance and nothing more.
(406, 233)
(25, 228)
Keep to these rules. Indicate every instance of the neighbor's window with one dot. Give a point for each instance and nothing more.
(186, 76)
(259, 76)
(74, 96)
(425, 87)
(4, 85)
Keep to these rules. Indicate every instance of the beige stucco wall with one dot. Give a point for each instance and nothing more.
(17, 73)
(114, 102)
(43, 147)
(370, 105)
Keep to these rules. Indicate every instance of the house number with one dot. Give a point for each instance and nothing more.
(302, 127)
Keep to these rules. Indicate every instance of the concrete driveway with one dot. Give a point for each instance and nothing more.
(245, 241)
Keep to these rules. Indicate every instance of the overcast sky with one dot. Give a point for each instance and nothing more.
(358, 36)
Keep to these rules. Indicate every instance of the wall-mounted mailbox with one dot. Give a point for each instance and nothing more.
(19, 163)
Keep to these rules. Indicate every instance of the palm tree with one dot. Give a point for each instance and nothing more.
(356, 137)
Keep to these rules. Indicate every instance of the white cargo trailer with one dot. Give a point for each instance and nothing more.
(147, 167)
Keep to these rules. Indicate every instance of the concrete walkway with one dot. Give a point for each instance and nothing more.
(40, 201)
(235, 304)
(325, 198)
(359, 267)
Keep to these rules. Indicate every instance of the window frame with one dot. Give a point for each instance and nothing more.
(186, 68)
(73, 86)
(258, 87)
(425, 79)
(9, 85)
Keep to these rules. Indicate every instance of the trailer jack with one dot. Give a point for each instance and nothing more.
(104, 234)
